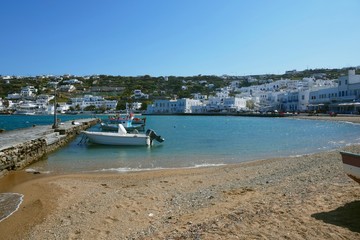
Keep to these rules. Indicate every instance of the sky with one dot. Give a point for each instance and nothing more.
(177, 37)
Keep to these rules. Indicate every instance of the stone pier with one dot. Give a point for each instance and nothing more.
(19, 148)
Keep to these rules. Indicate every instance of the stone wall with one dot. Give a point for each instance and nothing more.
(22, 154)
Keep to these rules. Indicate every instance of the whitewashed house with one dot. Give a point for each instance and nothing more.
(303, 103)
(184, 105)
(138, 94)
(67, 88)
(345, 97)
(13, 96)
(234, 104)
(134, 105)
(28, 91)
(198, 96)
(90, 100)
(73, 81)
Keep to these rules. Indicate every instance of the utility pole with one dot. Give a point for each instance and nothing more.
(55, 124)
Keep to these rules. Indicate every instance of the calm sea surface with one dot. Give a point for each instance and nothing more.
(192, 141)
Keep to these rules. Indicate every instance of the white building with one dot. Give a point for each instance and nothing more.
(223, 92)
(198, 96)
(28, 91)
(234, 104)
(134, 106)
(138, 94)
(304, 95)
(13, 96)
(90, 100)
(184, 105)
(73, 81)
(67, 88)
(343, 98)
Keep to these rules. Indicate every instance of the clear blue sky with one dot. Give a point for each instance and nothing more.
(177, 37)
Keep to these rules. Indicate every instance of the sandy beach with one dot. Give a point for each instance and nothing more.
(305, 197)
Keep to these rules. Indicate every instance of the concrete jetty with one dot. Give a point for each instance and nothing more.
(19, 148)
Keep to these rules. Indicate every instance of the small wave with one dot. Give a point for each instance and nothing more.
(208, 165)
(123, 170)
(9, 203)
(126, 169)
(350, 144)
(31, 170)
(297, 155)
(337, 143)
(354, 123)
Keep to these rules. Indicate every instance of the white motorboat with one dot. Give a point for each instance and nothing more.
(26, 108)
(123, 138)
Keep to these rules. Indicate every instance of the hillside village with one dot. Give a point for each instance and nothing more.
(326, 91)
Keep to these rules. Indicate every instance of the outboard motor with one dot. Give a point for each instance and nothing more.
(152, 134)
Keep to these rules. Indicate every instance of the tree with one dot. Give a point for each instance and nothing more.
(102, 108)
(90, 108)
(121, 106)
(6, 103)
(250, 104)
(144, 106)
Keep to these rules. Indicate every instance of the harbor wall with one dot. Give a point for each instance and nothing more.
(20, 148)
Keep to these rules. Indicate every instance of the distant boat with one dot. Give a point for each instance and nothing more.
(127, 117)
(123, 138)
(32, 108)
(351, 164)
(137, 120)
(24, 112)
(26, 108)
(6, 112)
(72, 112)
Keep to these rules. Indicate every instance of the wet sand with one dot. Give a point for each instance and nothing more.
(305, 197)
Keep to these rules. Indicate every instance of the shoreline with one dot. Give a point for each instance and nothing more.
(299, 197)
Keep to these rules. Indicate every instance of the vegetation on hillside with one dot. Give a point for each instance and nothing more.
(122, 88)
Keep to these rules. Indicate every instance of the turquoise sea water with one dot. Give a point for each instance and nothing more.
(192, 141)
(11, 122)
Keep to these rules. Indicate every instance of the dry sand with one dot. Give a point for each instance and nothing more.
(306, 197)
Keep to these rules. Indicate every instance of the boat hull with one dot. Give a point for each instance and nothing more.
(351, 164)
(119, 140)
